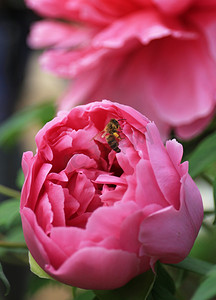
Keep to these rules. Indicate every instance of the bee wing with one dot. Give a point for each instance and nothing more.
(98, 134)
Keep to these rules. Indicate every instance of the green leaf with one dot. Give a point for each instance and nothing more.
(36, 269)
(15, 234)
(203, 155)
(160, 292)
(194, 265)
(20, 121)
(3, 278)
(137, 289)
(164, 287)
(207, 288)
(9, 212)
(164, 278)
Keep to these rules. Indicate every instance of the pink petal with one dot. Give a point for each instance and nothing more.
(173, 241)
(106, 221)
(64, 35)
(82, 189)
(147, 189)
(68, 238)
(41, 137)
(61, 176)
(98, 82)
(27, 163)
(195, 100)
(145, 25)
(111, 195)
(42, 248)
(196, 90)
(205, 21)
(79, 161)
(205, 4)
(75, 94)
(34, 181)
(175, 151)
(97, 268)
(173, 6)
(49, 8)
(44, 214)
(166, 175)
(109, 179)
(191, 196)
(79, 221)
(71, 205)
(34, 245)
(69, 63)
(56, 198)
(192, 129)
(130, 232)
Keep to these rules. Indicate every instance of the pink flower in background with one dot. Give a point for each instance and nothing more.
(95, 217)
(158, 56)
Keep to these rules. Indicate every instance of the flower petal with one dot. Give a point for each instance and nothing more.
(166, 175)
(172, 6)
(147, 189)
(145, 25)
(97, 268)
(190, 72)
(64, 35)
(42, 248)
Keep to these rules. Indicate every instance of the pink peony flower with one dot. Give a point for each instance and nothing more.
(158, 56)
(94, 217)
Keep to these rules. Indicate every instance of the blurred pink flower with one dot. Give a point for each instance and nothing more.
(95, 218)
(158, 56)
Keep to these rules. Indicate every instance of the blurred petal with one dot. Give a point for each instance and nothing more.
(64, 35)
(190, 72)
(206, 22)
(145, 26)
(191, 130)
(173, 6)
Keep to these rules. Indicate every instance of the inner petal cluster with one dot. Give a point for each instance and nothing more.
(85, 175)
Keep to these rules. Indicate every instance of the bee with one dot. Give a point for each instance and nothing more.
(111, 134)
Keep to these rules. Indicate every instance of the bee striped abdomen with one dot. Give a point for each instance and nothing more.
(112, 142)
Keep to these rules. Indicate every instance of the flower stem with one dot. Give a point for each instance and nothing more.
(194, 265)
(11, 245)
(9, 192)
